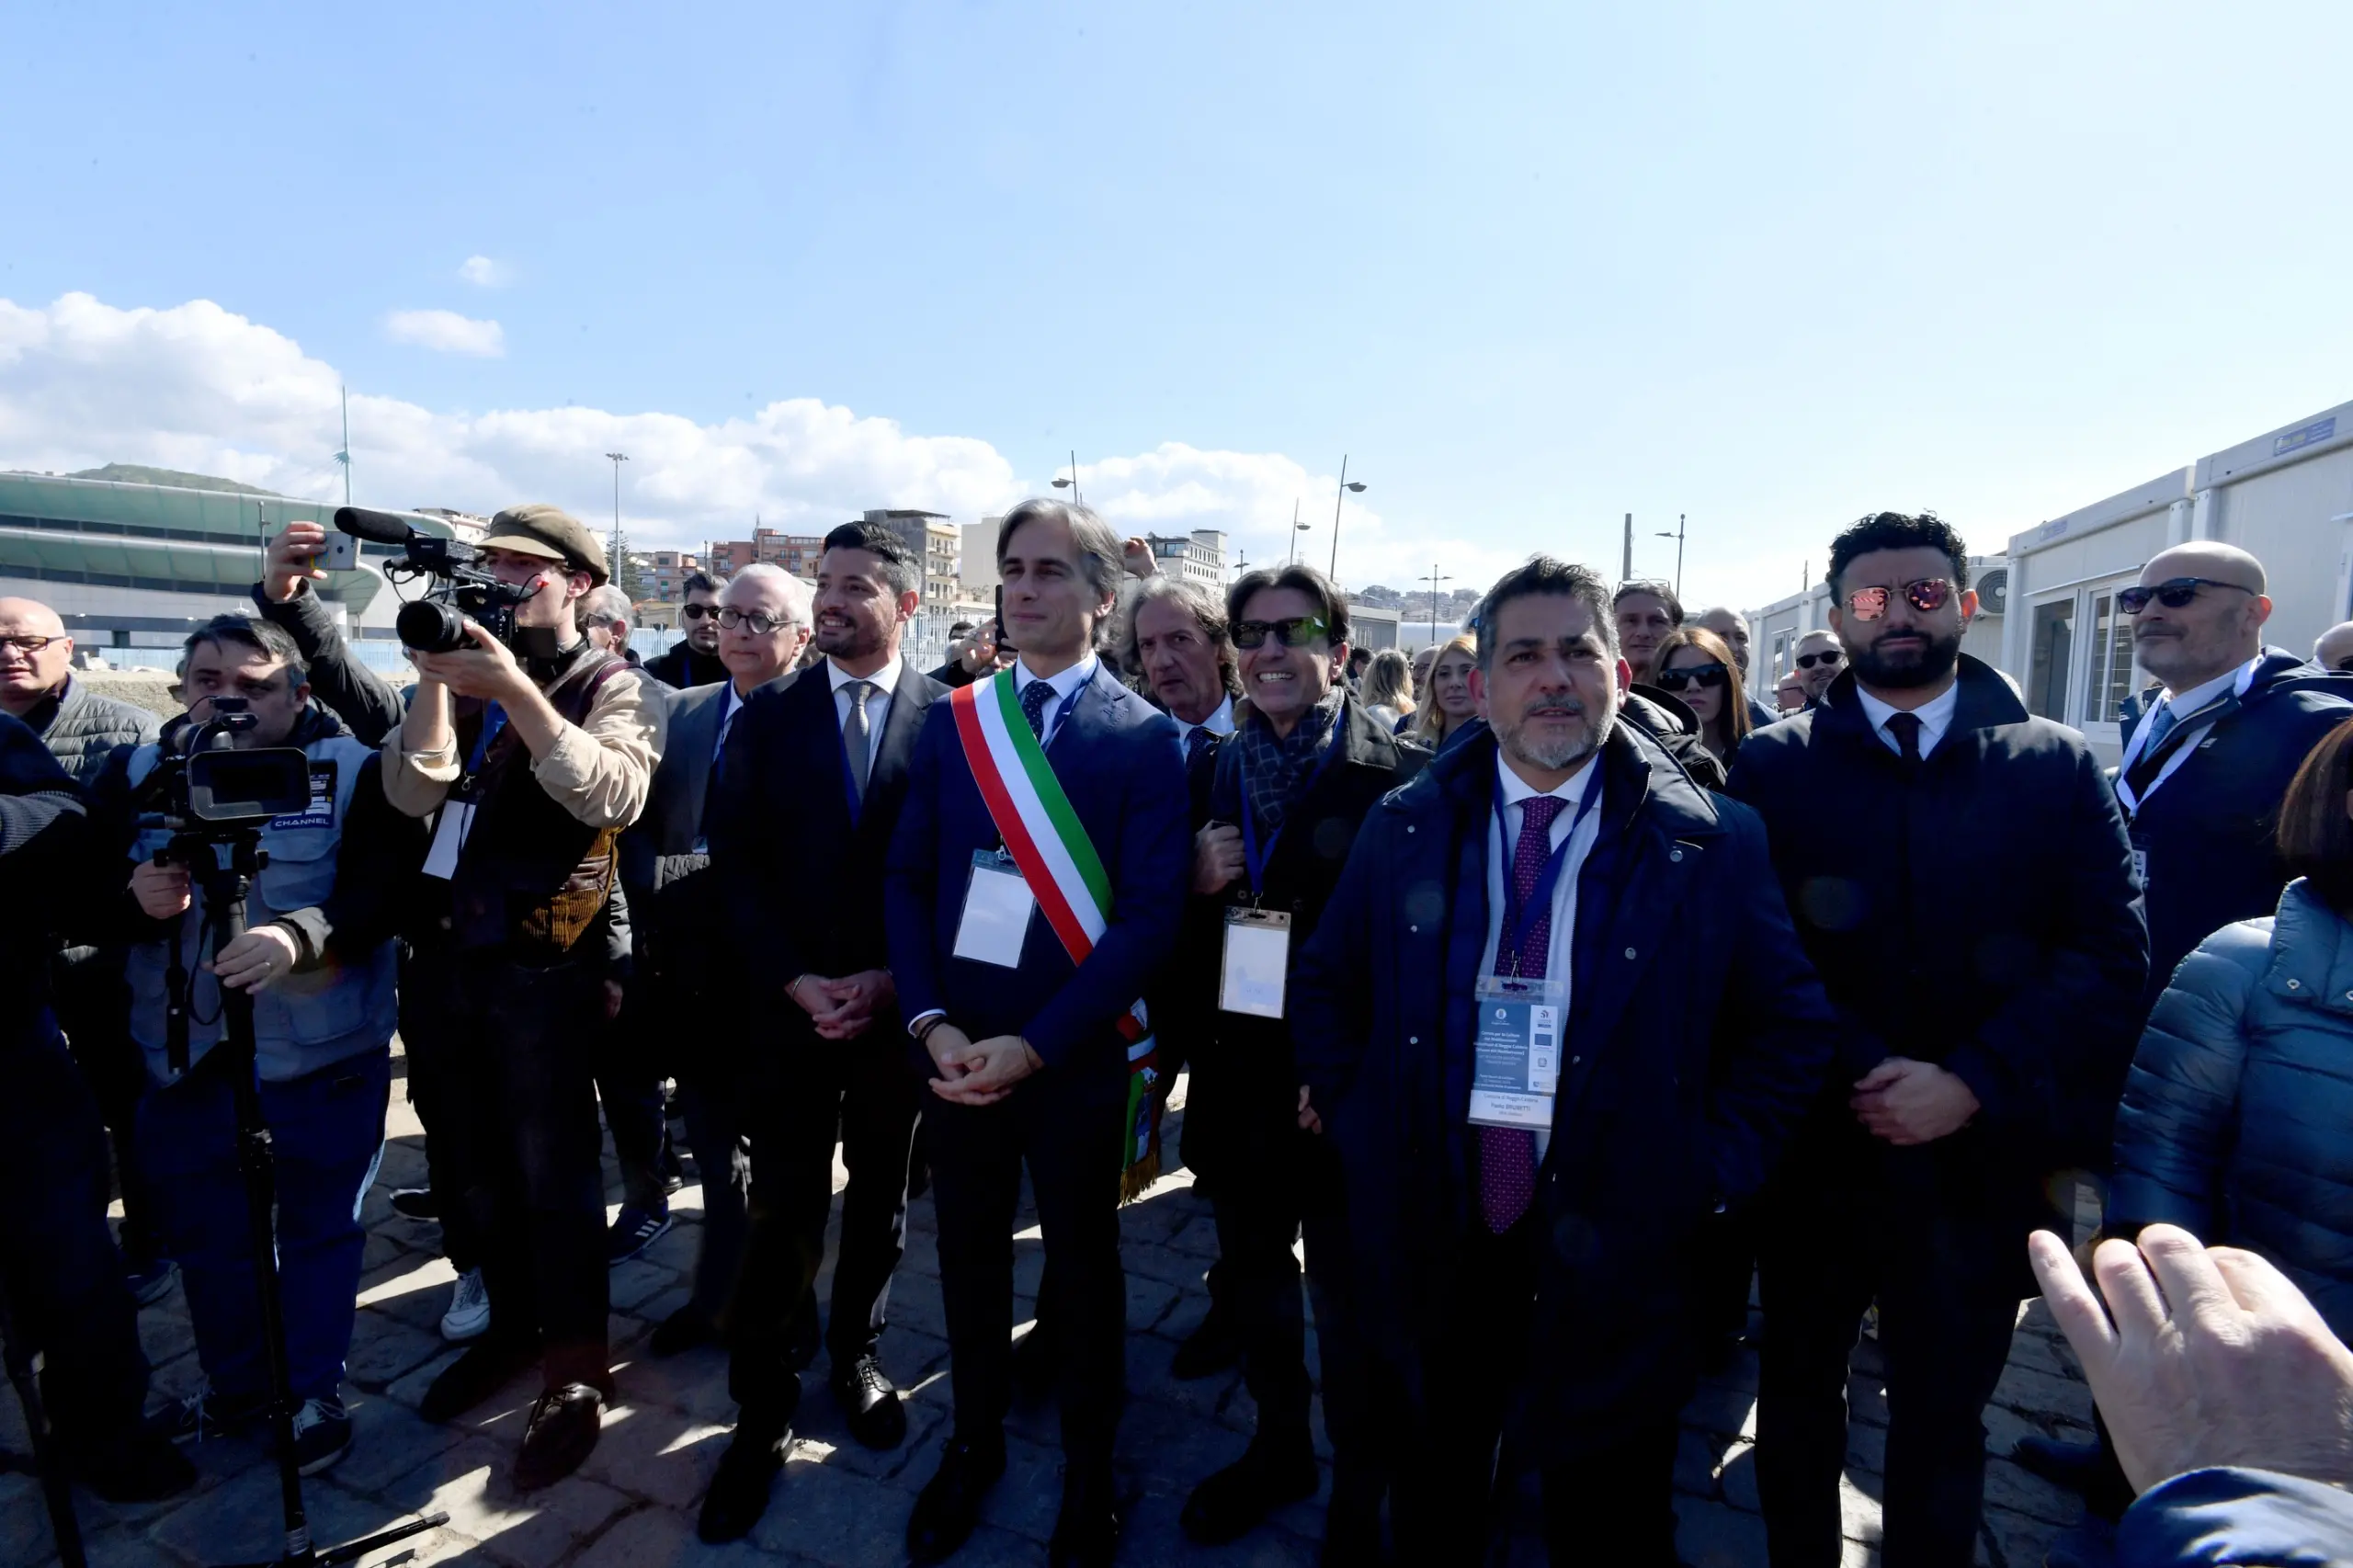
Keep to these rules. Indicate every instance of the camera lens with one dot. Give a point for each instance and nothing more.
(431, 626)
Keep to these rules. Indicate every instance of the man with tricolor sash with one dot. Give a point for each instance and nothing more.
(1036, 882)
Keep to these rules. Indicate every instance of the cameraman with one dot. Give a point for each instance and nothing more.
(535, 756)
(317, 958)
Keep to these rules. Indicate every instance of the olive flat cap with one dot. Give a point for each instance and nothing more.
(543, 529)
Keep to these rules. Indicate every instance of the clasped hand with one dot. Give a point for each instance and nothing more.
(1907, 1102)
(978, 1072)
(1217, 858)
(843, 1008)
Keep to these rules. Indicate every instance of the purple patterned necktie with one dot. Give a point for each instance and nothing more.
(1508, 1155)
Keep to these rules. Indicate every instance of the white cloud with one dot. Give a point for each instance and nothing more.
(447, 332)
(196, 387)
(484, 273)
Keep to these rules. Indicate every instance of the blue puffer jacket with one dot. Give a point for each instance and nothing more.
(2237, 1120)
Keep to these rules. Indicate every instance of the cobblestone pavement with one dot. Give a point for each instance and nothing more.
(843, 1507)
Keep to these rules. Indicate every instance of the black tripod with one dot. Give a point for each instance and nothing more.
(24, 1371)
(224, 916)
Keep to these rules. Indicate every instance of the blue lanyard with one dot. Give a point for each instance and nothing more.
(494, 718)
(1515, 914)
(1254, 862)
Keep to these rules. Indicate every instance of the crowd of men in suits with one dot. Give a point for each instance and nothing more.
(1544, 1038)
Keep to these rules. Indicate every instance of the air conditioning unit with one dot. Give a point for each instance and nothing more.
(1993, 591)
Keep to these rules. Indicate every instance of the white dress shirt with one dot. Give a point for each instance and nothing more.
(1562, 944)
(885, 682)
(1064, 686)
(1221, 722)
(729, 704)
(1936, 718)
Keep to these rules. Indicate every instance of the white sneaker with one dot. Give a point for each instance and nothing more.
(469, 1313)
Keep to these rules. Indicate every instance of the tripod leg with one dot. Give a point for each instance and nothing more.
(56, 1489)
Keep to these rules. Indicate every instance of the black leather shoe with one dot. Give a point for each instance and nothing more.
(1087, 1532)
(473, 1376)
(739, 1492)
(684, 1330)
(871, 1402)
(1212, 1347)
(1038, 1360)
(949, 1505)
(562, 1432)
(2083, 1467)
(1237, 1499)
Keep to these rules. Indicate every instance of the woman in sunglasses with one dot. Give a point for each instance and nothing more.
(1449, 704)
(1697, 666)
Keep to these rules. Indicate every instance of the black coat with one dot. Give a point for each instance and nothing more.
(681, 666)
(2207, 833)
(1242, 1064)
(1697, 1035)
(1981, 915)
(49, 853)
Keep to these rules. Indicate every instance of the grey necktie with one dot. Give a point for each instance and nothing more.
(855, 735)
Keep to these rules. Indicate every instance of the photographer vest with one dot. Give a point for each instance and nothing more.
(303, 1021)
(532, 878)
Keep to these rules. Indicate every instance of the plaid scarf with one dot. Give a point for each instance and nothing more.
(1275, 768)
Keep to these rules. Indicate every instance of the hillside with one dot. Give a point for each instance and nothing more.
(138, 473)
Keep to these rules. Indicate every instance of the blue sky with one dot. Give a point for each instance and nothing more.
(1531, 267)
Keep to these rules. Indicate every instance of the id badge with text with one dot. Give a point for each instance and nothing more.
(448, 837)
(1516, 1067)
(1257, 963)
(998, 906)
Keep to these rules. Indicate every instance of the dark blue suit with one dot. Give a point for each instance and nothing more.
(1123, 767)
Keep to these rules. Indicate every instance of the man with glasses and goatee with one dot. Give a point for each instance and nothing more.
(694, 659)
(1960, 877)
(806, 798)
(2208, 752)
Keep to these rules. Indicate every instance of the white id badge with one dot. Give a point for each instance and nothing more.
(1257, 962)
(448, 837)
(998, 906)
(1515, 1066)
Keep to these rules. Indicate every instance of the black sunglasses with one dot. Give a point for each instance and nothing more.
(1688, 674)
(1927, 595)
(1291, 632)
(696, 612)
(1807, 661)
(2173, 592)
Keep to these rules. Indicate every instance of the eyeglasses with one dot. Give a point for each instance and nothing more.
(1690, 675)
(1292, 631)
(759, 621)
(1807, 661)
(1927, 595)
(28, 644)
(2173, 592)
(697, 612)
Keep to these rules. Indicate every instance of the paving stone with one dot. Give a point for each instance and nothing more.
(388, 1440)
(638, 1281)
(2013, 1487)
(383, 1350)
(1714, 1534)
(524, 1529)
(662, 1454)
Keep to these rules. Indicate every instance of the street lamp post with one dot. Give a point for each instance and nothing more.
(1070, 483)
(1297, 528)
(614, 566)
(1678, 537)
(1435, 581)
(1338, 496)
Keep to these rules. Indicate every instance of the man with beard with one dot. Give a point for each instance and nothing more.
(1960, 877)
(694, 659)
(823, 1051)
(1555, 1018)
(1819, 660)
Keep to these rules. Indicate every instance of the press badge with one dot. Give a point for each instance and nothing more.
(1257, 962)
(448, 837)
(998, 906)
(320, 813)
(1515, 1066)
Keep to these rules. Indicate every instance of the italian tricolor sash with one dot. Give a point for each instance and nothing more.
(1043, 834)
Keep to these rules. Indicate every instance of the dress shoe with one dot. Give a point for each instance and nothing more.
(1212, 1347)
(684, 1330)
(871, 1402)
(1087, 1532)
(1038, 1360)
(739, 1492)
(562, 1432)
(1237, 1499)
(949, 1505)
(473, 1376)
(2084, 1468)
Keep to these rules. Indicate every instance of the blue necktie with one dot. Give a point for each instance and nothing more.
(1034, 698)
(2161, 724)
(1508, 1155)
(1195, 743)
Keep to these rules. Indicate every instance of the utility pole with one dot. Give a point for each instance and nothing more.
(614, 566)
(1626, 570)
(1435, 581)
(1297, 528)
(1678, 537)
(344, 457)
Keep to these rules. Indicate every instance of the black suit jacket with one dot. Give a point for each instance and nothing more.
(799, 871)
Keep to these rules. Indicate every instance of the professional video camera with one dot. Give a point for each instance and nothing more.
(205, 786)
(436, 623)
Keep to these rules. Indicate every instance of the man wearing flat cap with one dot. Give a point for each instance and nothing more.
(532, 755)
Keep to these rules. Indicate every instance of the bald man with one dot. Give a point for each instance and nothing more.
(1732, 627)
(2335, 649)
(2208, 754)
(1819, 661)
(79, 726)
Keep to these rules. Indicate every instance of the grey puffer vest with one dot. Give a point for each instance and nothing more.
(86, 728)
(304, 1021)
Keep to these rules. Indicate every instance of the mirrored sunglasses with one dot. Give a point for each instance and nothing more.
(1927, 595)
